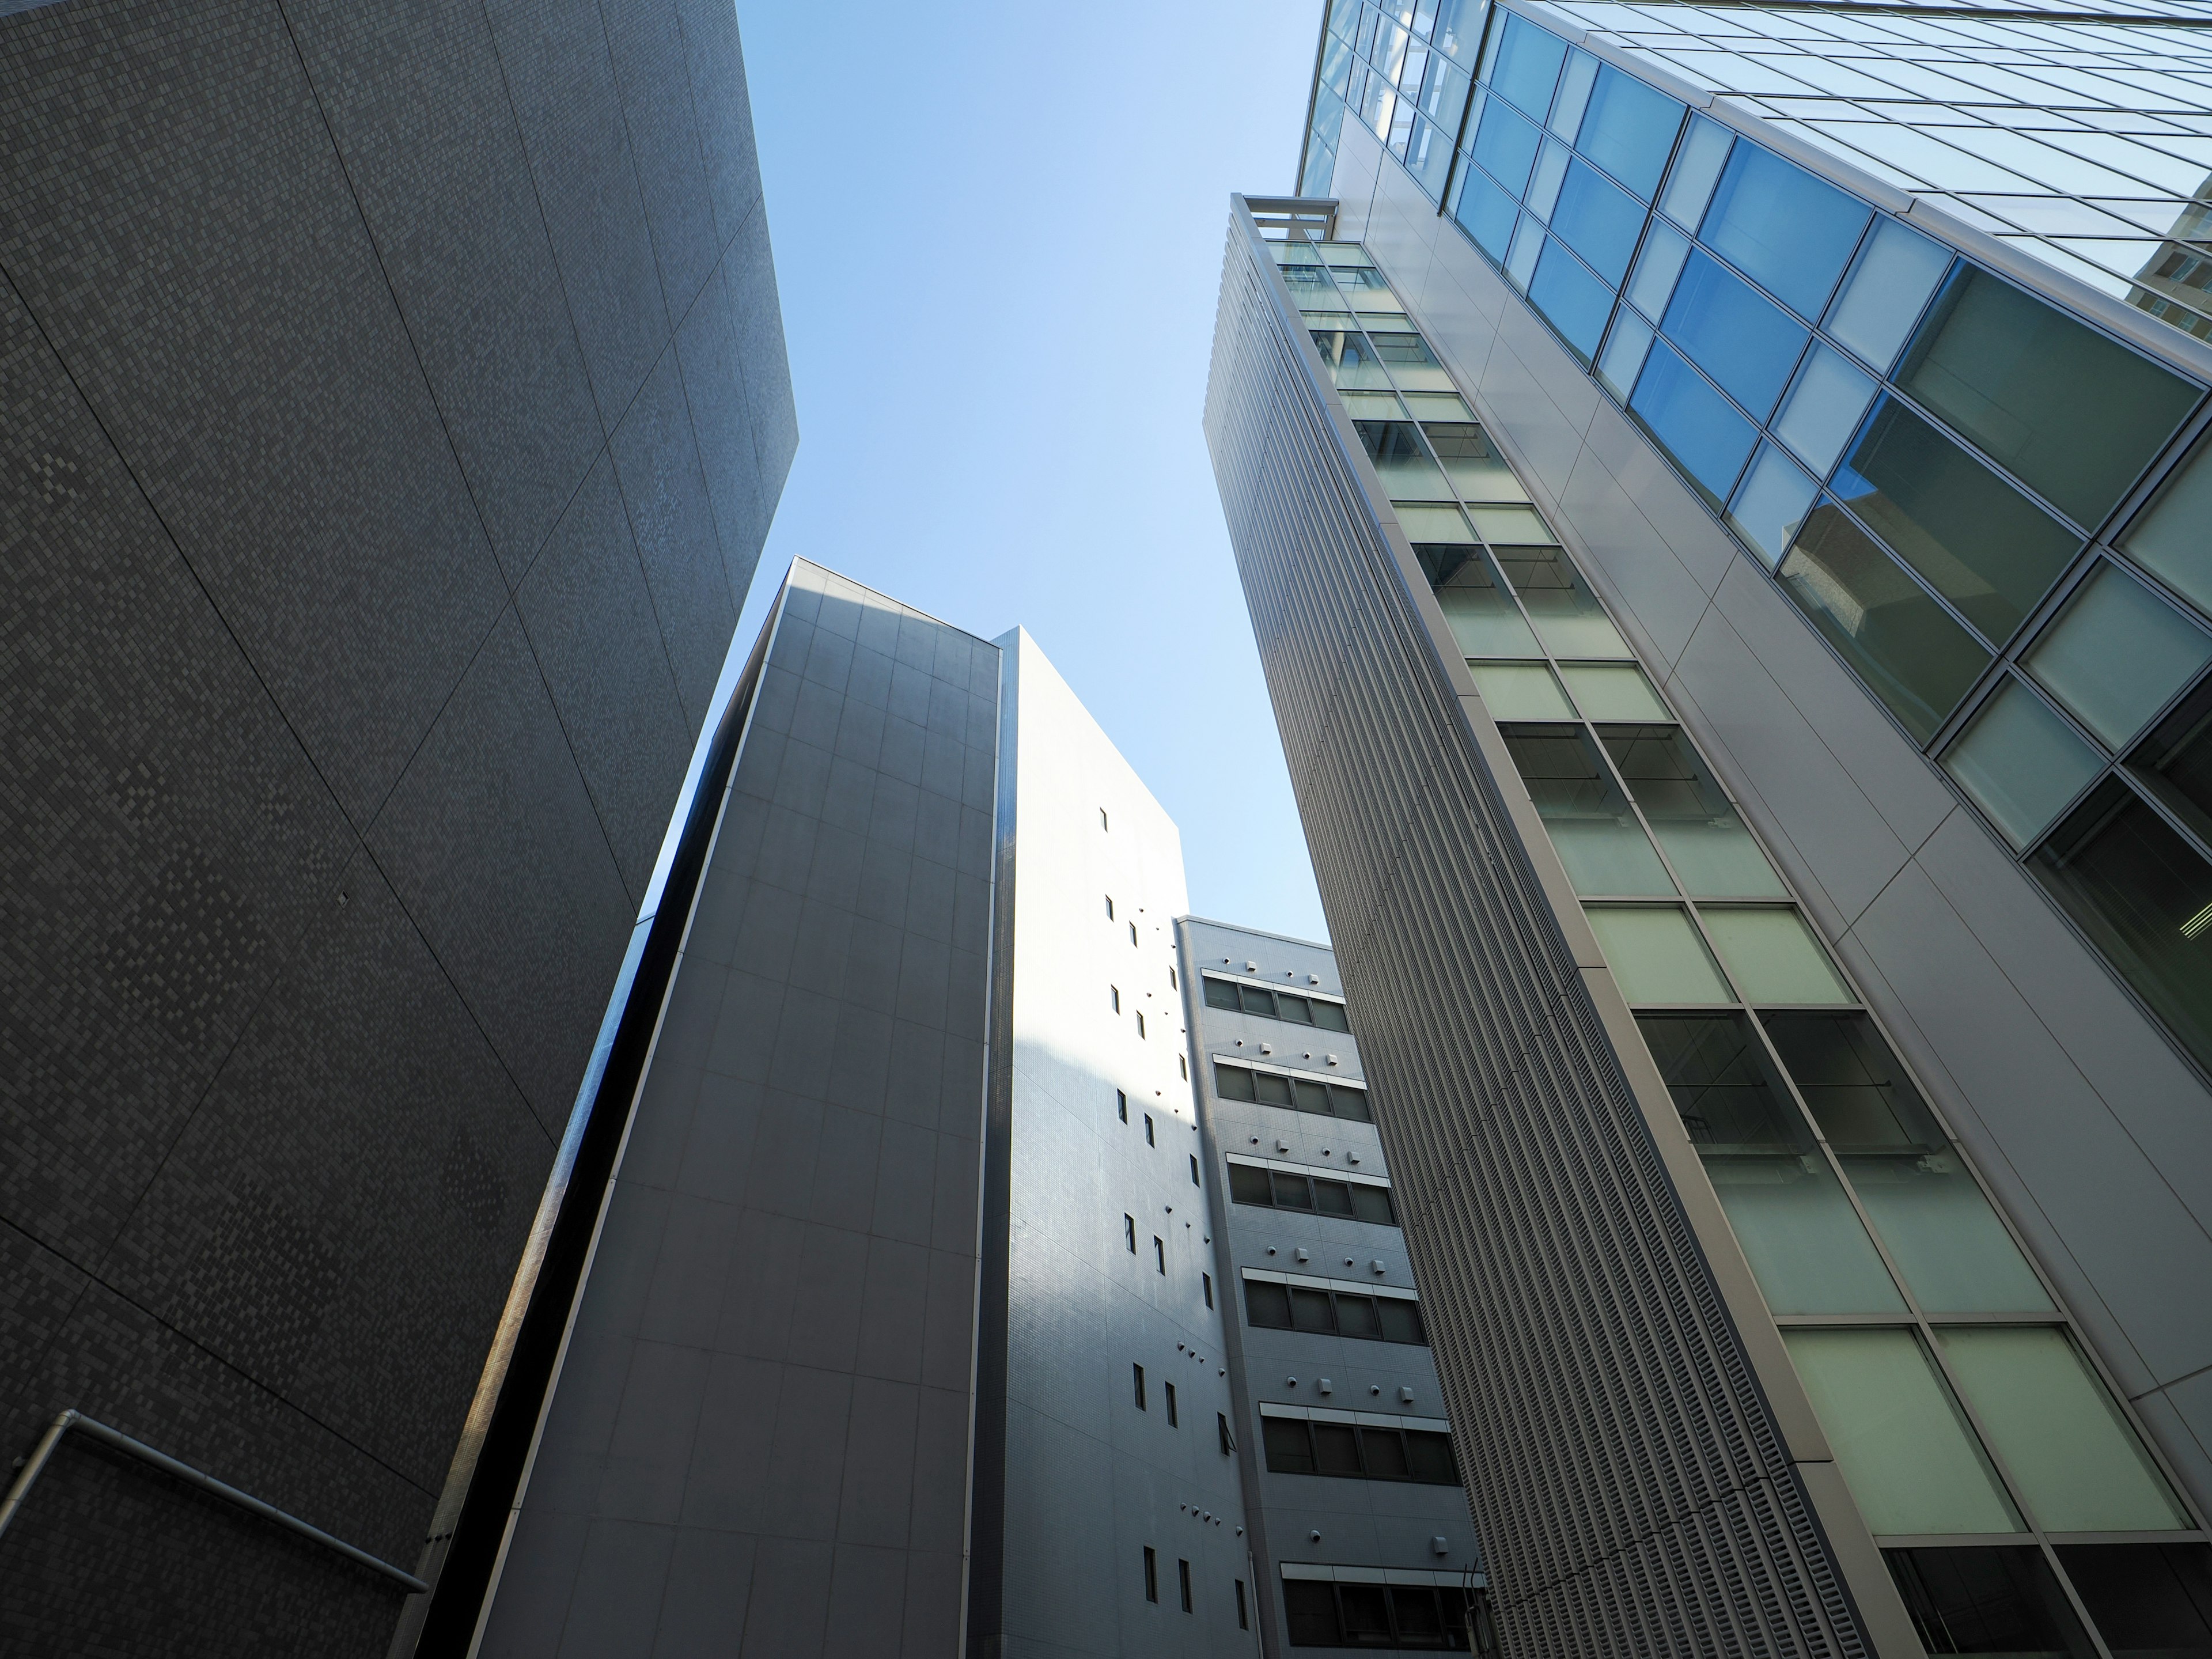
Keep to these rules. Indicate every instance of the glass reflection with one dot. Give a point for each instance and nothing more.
(1786, 230)
(1404, 467)
(2115, 652)
(1704, 840)
(1472, 461)
(1351, 362)
(1996, 1601)
(1694, 424)
(1603, 848)
(1480, 613)
(1805, 1244)
(1413, 365)
(1747, 343)
(1567, 614)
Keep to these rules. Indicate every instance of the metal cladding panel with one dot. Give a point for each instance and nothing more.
(1628, 1478)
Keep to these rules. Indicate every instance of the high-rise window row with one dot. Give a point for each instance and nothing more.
(1358, 1446)
(1302, 1094)
(1939, 469)
(1297, 1008)
(1958, 1399)
(1293, 1302)
(1287, 1187)
(1351, 1609)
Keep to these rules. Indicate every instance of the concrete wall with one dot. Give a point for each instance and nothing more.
(1363, 1523)
(1090, 1480)
(759, 1440)
(2096, 1135)
(393, 403)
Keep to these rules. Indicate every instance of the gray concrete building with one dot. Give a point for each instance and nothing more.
(1359, 1524)
(392, 404)
(1727, 563)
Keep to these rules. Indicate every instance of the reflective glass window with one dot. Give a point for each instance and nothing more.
(1444, 95)
(1693, 423)
(1614, 691)
(1412, 363)
(1805, 1244)
(2072, 1458)
(1625, 347)
(1629, 130)
(1887, 289)
(1503, 522)
(1903, 1447)
(1481, 614)
(1988, 1600)
(1544, 183)
(1771, 503)
(1568, 618)
(1599, 220)
(1661, 263)
(2175, 763)
(1909, 651)
(1506, 145)
(1428, 155)
(1604, 849)
(2174, 540)
(1471, 461)
(1487, 214)
(1697, 166)
(2144, 896)
(1458, 28)
(1745, 342)
(2149, 1600)
(1786, 230)
(2020, 762)
(1349, 359)
(1573, 95)
(1577, 303)
(1400, 462)
(1772, 956)
(1978, 542)
(1520, 691)
(1712, 854)
(1527, 65)
(1824, 408)
(2075, 416)
(2117, 652)
(1657, 956)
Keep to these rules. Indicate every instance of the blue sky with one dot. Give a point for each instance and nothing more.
(998, 233)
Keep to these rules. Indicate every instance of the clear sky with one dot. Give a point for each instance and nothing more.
(999, 233)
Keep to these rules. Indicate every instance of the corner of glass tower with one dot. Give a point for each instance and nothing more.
(1718, 493)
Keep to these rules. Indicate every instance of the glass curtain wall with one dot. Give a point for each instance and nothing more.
(1983, 1445)
(1403, 68)
(1938, 469)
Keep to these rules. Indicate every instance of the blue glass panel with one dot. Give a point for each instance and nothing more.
(1527, 67)
(1487, 214)
(1732, 331)
(1783, 228)
(1506, 145)
(1599, 219)
(1693, 423)
(1576, 302)
(1629, 130)
(1458, 28)
(1428, 155)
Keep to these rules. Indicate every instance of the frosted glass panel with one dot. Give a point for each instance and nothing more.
(1520, 691)
(2117, 652)
(1804, 1242)
(1713, 854)
(1946, 1240)
(1774, 957)
(2072, 1456)
(1612, 691)
(1566, 613)
(1482, 616)
(1600, 842)
(2174, 538)
(2020, 762)
(1904, 1449)
(1501, 525)
(1657, 956)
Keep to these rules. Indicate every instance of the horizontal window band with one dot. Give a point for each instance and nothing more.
(1309, 994)
(1326, 1575)
(1348, 1286)
(1372, 1419)
(1279, 1070)
(1320, 1170)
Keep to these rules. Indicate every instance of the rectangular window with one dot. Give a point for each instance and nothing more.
(1272, 1306)
(1174, 1421)
(1109, 906)
(1129, 1232)
(1138, 1373)
(1694, 424)
(1140, 1024)
(1113, 992)
(1786, 230)
(1151, 1561)
(1121, 1103)
(1367, 1452)
(1193, 1168)
(1284, 1189)
(1182, 1572)
(1149, 1141)
(1159, 1255)
(1172, 983)
(1102, 818)
(1220, 993)
(1377, 1615)
(1132, 935)
(1182, 1068)
(1342, 1100)
(1206, 1280)
(1243, 1618)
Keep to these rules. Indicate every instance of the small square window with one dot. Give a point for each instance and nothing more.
(1129, 1232)
(1149, 1141)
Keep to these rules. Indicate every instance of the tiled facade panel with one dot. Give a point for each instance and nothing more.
(758, 1442)
(1629, 1484)
(371, 559)
(2096, 1134)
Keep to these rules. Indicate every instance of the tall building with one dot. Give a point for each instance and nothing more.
(1358, 1526)
(393, 403)
(1718, 491)
(912, 1321)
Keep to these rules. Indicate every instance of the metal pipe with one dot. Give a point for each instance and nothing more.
(34, 1465)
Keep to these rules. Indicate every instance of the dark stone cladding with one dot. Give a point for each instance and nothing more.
(392, 404)
(1626, 1474)
(758, 1442)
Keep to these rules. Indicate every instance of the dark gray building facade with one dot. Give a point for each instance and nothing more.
(392, 405)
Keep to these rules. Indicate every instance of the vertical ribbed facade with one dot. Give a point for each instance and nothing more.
(1629, 1480)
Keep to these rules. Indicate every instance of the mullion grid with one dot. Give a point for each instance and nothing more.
(1917, 1320)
